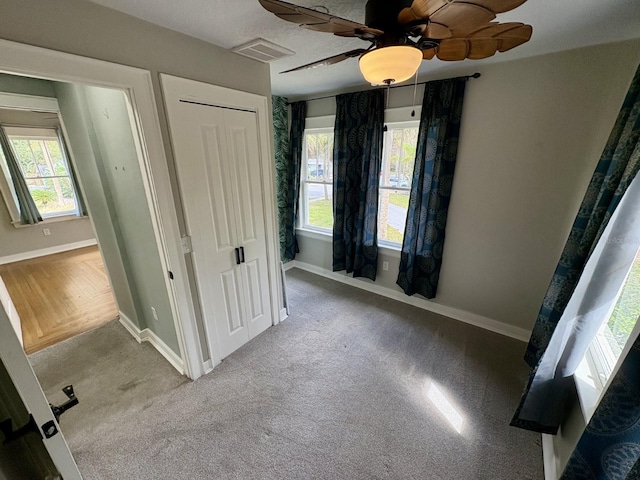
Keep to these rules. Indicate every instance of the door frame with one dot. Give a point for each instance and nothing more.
(37, 62)
(176, 88)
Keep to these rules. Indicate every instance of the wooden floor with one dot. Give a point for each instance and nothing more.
(59, 296)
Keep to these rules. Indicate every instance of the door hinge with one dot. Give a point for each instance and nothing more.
(186, 244)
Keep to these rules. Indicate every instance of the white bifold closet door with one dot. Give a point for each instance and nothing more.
(218, 162)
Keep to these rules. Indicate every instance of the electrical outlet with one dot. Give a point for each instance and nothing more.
(385, 266)
(46, 232)
(155, 314)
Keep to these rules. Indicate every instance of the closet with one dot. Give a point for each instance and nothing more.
(218, 162)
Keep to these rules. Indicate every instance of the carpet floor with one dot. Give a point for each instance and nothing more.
(350, 386)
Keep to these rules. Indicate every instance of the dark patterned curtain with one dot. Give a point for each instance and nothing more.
(357, 155)
(609, 448)
(543, 403)
(280, 113)
(421, 256)
(294, 160)
(29, 214)
(613, 175)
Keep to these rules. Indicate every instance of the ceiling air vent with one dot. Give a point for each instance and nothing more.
(262, 50)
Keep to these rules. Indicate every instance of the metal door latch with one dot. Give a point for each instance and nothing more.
(60, 409)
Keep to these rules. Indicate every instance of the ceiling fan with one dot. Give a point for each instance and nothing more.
(404, 32)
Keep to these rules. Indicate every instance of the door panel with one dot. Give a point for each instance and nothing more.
(242, 135)
(200, 145)
(255, 303)
(222, 213)
(240, 145)
(218, 167)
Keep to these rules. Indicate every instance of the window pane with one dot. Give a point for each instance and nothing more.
(52, 196)
(53, 149)
(626, 311)
(399, 156)
(392, 214)
(319, 201)
(397, 172)
(319, 155)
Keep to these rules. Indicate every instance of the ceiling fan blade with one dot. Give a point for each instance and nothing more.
(494, 29)
(366, 33)
(420, 10)
(498, 6)
(309, 18)
(482, 47)
(453, 49)
(429, 53)
(436, 31)
(462, 18)
(329, 60)
(514, 37)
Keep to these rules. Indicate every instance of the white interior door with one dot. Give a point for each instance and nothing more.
(218, 168)
(242, 141)
(28, 387)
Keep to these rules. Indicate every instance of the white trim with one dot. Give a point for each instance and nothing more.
(47, 251)
(283, 314)
(402, 114)
(549, 457)
(316, 123)
(289, 265)
(147, 335)
(16, 58)
(33, 103)
(208, 366)
(451, 312)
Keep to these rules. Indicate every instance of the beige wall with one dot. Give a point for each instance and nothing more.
(532, 133)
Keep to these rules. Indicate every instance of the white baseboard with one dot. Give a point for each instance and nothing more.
(147, 335)
(549, 457)
(451, 312)
(289, 265)
(283, 314)
(208, 366)
(47, 251)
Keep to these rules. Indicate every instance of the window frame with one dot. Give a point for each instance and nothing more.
(304, 183)
(599, 365)
(38, 133)
(409, 115)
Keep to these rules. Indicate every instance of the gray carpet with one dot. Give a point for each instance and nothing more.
(346, 388)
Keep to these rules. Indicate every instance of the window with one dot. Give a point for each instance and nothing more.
(317, 179)
(399, 155)
(45, 168)
(399, 151)
(615, 332)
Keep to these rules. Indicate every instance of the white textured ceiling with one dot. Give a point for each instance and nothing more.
(557, 25)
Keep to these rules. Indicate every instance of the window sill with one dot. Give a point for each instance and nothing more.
(589, 389)
(385, 249)
(50, 220)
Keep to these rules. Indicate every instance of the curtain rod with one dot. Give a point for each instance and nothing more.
(466, 77)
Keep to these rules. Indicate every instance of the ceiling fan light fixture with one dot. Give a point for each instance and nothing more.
(387, 65)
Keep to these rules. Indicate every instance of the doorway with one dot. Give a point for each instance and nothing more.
(88, 168)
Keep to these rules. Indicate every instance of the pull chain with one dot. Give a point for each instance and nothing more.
(415, 89)
(388, 82)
